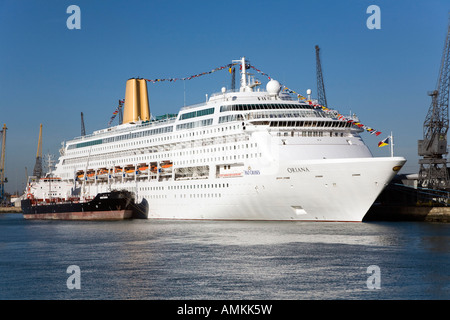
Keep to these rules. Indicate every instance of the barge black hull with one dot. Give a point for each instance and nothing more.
(114, 205)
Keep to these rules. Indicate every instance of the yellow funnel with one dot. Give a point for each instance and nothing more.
(131, 110)
(143, 94)
(136, 101)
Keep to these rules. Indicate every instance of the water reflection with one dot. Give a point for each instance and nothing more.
(147, 259)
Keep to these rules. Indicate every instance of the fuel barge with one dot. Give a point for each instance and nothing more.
(114, 205)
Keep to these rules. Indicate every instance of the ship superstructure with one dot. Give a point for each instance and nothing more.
(248, 154)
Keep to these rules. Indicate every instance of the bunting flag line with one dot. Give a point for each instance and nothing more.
(383, 143)
(228, 66)
(121, 102)
(260, 72)
(284, 88)
(318, 106)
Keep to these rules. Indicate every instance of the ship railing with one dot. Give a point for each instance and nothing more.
(282, 96)
(192, 106)
(215, 94)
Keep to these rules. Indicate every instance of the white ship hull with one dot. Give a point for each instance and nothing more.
(313, 190)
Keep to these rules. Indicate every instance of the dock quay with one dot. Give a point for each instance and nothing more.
(403, 200)
(408, 213)
(10, 210)
(376, 213)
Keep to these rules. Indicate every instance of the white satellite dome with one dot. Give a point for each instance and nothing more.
(273, 87)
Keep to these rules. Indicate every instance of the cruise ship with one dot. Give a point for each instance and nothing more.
(245, 154)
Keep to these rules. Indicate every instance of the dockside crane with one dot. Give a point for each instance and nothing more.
(121, 102)
(83, 130)
(37, 171)
(322, 99)
(3, 179)
(433, 172)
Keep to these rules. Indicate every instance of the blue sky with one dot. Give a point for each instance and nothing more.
(49, 74)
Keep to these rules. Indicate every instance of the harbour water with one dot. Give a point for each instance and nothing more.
(152, 260)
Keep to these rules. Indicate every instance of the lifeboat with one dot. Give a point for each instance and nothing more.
(130, 171)
(118, 171)
(143, 169)
(166, 166)
(102, 174)
(80, 175)
(90, 175)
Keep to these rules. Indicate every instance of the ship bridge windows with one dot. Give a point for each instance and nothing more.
(274, 114)
(319, 124)
(195, 124)
(197, 113)
(85, 144)
(232, 117)
(263, 106)
(311, 134)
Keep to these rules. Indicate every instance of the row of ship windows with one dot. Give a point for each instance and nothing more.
(311, 134)
(198, 113)
(225, 148)
(223, 158)
(184, 196)
(163, 130)
(164, 155)
(273, 114)
(242, 148)
(184, 187)
(201, 123)
(180, 162)
(190, 187)
(209, 121)
(195, 124)
(246, 107)
(127, 136)
(326, 124)
(243, 107)
(158, 139)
